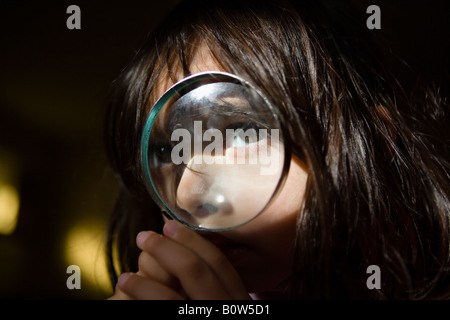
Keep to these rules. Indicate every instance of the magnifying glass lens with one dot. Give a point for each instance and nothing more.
(213, 152)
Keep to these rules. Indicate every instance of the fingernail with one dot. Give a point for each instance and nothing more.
(141, 237)
(170, 228)
(122, 279)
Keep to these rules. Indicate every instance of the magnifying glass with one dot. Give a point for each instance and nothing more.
(213, 152)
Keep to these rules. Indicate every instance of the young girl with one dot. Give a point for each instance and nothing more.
(368, 177)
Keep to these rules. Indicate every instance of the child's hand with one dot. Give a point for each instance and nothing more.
(181, 264)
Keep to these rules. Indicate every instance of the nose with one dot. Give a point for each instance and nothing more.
(217, 195)
(201, 193)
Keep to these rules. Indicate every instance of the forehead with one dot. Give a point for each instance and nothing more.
(202, 60)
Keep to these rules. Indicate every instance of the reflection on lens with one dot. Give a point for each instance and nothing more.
(213, 152)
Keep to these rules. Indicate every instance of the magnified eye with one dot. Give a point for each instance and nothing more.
(243, 134)
(161, 153)
(240, 141)
(244, 138)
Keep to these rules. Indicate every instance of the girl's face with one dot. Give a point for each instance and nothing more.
(262, 251)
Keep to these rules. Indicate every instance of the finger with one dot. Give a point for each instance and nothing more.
(118, 295)
(219, 263)
(194, 274)
(150, 268)
(140, 288)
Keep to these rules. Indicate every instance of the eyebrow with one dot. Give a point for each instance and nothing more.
(245, 113)
(223, 106)
(230, 109)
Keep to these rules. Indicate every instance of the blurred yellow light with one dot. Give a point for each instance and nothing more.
(84, 248)
(9, 208)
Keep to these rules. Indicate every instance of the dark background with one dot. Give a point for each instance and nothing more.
(53, 92)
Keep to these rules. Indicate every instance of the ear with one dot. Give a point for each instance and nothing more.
(383, 114)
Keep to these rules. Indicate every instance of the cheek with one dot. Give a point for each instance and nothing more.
(272, 234)
(284, 209)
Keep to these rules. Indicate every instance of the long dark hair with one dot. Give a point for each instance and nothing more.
(378, 183)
